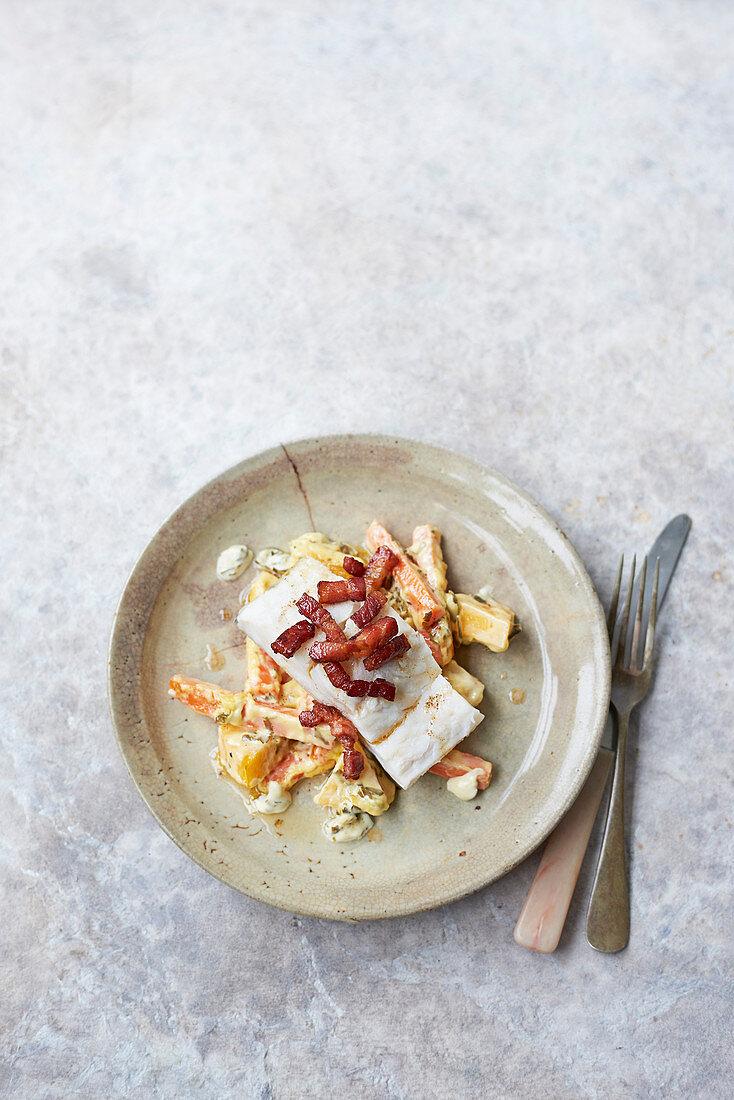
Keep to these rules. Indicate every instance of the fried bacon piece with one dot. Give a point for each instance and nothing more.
(394, 648)
(374, 635)
(377, 689)
(366, 613)
(344, 731)
(380, 566)
(352, 763)
(354, 566)
(339, 591)
(313, 610)
(330, 651)
(338, 676)
(357, 688)
(293, 638)
(370, 638)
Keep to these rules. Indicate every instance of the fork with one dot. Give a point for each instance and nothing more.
(608, 918)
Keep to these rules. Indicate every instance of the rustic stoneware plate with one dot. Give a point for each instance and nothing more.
(545, 702)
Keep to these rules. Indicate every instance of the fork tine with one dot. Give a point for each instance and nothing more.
(637, 625)
(622, 643)
(612, 616)
(650, 636)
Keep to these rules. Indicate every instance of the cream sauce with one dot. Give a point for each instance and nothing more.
(347, 826)
(465, 786)
(485, 594)
(273, 560)
(276, 801)
(233, 561)
(463, 682)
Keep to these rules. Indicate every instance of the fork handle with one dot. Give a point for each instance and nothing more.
(540, 924)
(608, 918)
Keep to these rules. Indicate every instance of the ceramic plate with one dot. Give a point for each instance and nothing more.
(429, 848)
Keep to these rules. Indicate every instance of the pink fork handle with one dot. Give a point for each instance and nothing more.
(543, 915)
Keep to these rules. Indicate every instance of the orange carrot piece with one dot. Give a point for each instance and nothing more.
(428, 556)
(458, 763)
(209, 699)
(415, 587)
(263, 675)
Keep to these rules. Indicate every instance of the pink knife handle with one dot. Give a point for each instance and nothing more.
(543, 915)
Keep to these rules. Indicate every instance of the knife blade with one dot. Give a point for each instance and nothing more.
(541, 921)
(667, 547)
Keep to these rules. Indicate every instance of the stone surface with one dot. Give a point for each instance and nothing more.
(503, 227)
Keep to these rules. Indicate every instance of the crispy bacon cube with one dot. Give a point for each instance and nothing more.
(317, 614)
(380, 566)
(366, 613)
(394, 648)
(374, 635)
(343, 730)
(354, 566)
(293, 638)
(377, 689)
(353, 763)
(338, 676)
(339, 591)
(330, 651)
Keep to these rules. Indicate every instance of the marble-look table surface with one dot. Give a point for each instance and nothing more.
(503, 227)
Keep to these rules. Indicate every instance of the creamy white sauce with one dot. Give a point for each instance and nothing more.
(233, 561)
(465, 786)
(485, 594)
(247, 800)
(213, 659)
(276, 801)
(347, 826)
(273, 559)
(463, 682)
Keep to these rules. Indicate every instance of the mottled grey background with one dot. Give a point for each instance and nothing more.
(505, 227)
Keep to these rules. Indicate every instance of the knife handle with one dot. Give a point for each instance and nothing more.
(608, 918)
(543, 915)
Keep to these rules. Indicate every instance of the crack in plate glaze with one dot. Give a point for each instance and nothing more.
(433, 847)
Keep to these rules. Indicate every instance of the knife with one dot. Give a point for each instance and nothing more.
(542, 918)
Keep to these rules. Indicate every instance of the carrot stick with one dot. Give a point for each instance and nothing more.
(458, 763)
(418, 593)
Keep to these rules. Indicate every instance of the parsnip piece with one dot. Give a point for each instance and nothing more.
(373, 792)
(463, 682)
(488, 623)
(426, 552)
(315, 545)
(281, 721)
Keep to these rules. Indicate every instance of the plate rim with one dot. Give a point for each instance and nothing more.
(271, 454)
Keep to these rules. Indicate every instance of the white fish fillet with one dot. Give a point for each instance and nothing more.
(426, 719)
(434, 726)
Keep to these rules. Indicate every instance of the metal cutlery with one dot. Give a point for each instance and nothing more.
(542, 918)
(608, 919)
